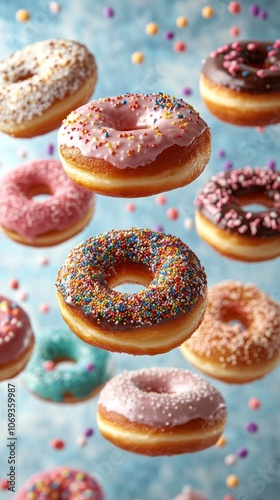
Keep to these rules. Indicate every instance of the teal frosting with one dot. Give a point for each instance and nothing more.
(91, 367)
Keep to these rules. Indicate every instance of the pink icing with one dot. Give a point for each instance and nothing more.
(130, 130)
(162, 397)
(21, 213)
(15, 331)
(68, 483)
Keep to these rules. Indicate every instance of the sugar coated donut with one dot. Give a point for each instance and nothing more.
(60, 483)
(223, 221)
(16, 339)
(240, 82)
(241, 351)
(153, 321)
(189, 494)
(160, 411)
(134, 145)
(41, 83)
(80, 380)
(46, 222)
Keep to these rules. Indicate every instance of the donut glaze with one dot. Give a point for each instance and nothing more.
(137, 323)
(236, 352)
(240, 82)
(63, 482)
(122, 145)
(232, 230)
(16, 338)
(44, 222)
(160, 411)
(82, 379)
(41, 83)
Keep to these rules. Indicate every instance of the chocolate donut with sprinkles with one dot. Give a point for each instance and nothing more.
(241, 351)
(155, 320)
(240, 82)
(41, 83)
(223, 221)
(134, 145)
(161, 411)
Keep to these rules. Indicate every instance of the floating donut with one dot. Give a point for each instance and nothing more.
(63, 214)
(134, 145)
(153, 321)
(80, 380)
(62, 482)
(41, 83)
(240, 83)
(224, 223)
(16, 339)
(237, 352)
(160, 411)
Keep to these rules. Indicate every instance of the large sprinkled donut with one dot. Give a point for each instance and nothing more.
(134, 145)
(153, 321)
(240, 82)
(161, 411)
(41, 83)
(223, 221)
(46, 222)
(237, 352)
(16, 339)
(60, 483)
(80, 380)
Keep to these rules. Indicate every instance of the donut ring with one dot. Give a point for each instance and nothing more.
(134, 145)
(79, 381)
(235, 353)
(232, 230)
(45, 222)
(16, 339)
(160, 411)
(41, 83)
(240, 83)
(68, 482)
(139, 323)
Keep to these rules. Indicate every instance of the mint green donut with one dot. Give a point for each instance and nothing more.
(89, 371)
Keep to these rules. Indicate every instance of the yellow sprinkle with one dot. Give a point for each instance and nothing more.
(94, 139)
(137, 58)
(109, 145)
(22, 15)
(232, 481)
(182, 22)
(139, 148)
(151, 29)
(131, 137)
(222, 441)
(207, 11)
(167, 115)
(89, 115)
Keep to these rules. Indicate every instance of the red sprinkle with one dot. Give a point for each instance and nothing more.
(57, 444)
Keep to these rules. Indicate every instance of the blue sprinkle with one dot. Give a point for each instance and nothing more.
(245, 73)
(106, 134)
(180, 115)
(124, 101)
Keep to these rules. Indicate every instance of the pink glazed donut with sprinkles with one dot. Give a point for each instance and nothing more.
(224, 223)
(60, 483)
(161, 411)
(134, 145)
(16, 339)
(47, 222)
(240, 83)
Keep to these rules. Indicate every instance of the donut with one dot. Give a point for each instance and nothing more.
(160, 411)
(134, 145)
(81, 379)
(47, 222)
(16, 339)
(60, 483)
(223, 221)
(41, 83)
(155, 320)
(240, 83)
(239, 338)
(189, 494)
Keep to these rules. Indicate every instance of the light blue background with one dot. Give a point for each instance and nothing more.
(123, 475)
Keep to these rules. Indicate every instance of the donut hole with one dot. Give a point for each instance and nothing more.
(235, 319)
(64, 363)
(40, 192)
(255, 202)
(130, 278)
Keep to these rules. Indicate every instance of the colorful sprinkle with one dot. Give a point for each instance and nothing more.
(234, 7)
(137, 57)
(254, 10)
(152, 29)
(169, 35)
(187, 91)
(252, 427)
(130, 207)
(22, 15)
(14, 284)
(207, 12)
(57, 444)
(44, 308)
(108, 12)
(172, 213)
(89, 432)
(234, 31)
(182, 22)
(242, 453)
(50, 149)
(180, 46)
(254, 403)
(230, 460)
(54, 7)
(161, 199)
(222, 441)
(232, 481)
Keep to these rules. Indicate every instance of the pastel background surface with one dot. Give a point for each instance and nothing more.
(112, 40)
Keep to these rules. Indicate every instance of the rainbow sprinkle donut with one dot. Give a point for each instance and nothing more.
(174, 299)
(60, 483)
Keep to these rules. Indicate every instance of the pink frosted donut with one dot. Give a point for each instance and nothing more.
(161, 411)
(45, 222)
(16, 339)
(134, 145)
(59, 483)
